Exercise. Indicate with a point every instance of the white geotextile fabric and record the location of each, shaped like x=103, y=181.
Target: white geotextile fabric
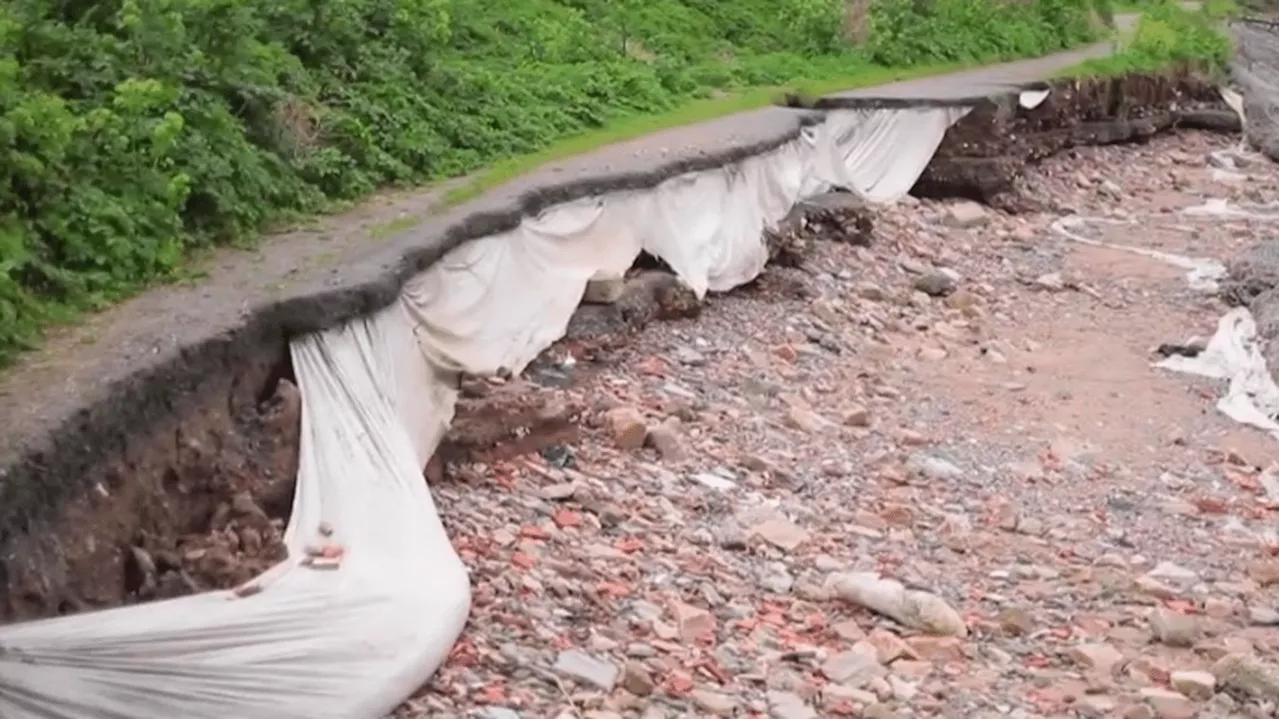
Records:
x=353, y=642
x=346, y=643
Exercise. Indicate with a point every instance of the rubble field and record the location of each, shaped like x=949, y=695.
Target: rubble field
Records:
x=922, y=467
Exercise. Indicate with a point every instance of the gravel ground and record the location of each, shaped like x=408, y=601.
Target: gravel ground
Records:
x=965, y=407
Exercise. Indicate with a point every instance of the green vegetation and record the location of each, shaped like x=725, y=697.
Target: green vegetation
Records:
x=133, y=132
x=1170, y=36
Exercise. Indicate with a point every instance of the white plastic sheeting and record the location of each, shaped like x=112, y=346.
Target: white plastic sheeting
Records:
x=355, y=640
x=1031, y=99
x=1202, y=275
x=1233, y=355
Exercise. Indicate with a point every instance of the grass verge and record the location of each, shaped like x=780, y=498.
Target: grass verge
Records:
x=630, y=128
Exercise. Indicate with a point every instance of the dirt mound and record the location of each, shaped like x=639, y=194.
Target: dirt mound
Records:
x=1251, y=281
x=1251, y=274
x=1254, y=71
x=985, y=152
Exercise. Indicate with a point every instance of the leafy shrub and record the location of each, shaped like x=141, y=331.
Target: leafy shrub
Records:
x=1168, y=35
x=913, y=31
x=132, y=131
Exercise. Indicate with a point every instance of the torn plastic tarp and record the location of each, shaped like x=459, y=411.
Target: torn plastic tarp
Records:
x=1233, y=354
x=352, y=636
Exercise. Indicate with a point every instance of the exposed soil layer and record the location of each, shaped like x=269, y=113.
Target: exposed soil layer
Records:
x=986, y=151
x=195, y=500
x=180, y=508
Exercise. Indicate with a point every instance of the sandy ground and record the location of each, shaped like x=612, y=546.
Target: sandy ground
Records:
x=969, y=411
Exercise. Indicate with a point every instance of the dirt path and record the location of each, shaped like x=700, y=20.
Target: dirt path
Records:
x=316, y=276
x=970, y=411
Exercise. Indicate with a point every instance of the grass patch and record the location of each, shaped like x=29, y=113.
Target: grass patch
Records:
x=630, y=128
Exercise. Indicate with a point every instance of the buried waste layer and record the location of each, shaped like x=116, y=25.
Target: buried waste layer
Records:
x=371, y=595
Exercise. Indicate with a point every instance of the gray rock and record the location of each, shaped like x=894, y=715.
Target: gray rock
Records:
x=777, y=582
x=1051, y=281
x=585, y=668
x=1263, y=617
x=714, y=703
x=935, y=468
x=690, y=357
x=935, y=284
x=854, y=669
x=1252, y=273
x=1173, y=574
x=965, y=215
x=1197, y=685
x=785, y=705
x=604, y=292
x=1173, y=628
x=1265, y=309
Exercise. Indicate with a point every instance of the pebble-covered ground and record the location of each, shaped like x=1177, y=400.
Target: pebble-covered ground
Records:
x=934, y=476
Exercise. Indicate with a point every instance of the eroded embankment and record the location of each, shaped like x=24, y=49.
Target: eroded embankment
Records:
x=981, y=158
x=986, y=152
x=178, y=505
x=198, y=501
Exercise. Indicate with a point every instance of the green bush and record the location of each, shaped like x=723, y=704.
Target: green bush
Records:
x=132, y=131
x=911, y=31
x=1169, y=36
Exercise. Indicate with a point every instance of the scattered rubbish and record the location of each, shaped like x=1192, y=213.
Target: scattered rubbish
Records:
x=1188, y=350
